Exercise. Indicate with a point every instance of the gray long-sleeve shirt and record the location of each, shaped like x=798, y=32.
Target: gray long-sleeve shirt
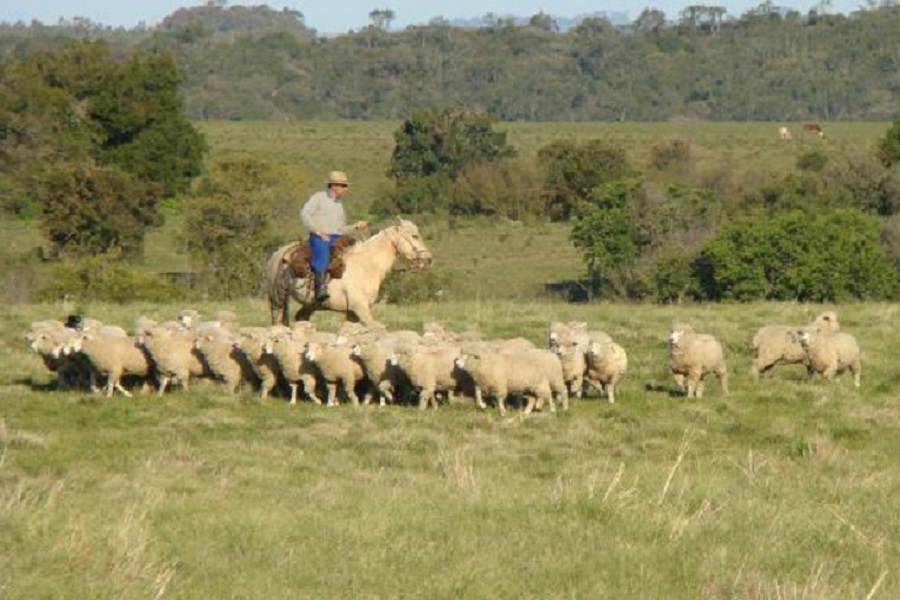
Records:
x=324, y=213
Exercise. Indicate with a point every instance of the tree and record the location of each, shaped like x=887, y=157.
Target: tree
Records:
x=443, y=142
x=228, y=225
x=90, y=210
x=571, y=172
x=607, y=236
x=888, y=151
x=381, y=18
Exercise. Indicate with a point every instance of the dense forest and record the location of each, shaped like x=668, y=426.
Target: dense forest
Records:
x=768, y=64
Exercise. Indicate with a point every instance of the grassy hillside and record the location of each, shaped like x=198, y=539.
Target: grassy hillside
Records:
x=782, y=489
x=471, y=257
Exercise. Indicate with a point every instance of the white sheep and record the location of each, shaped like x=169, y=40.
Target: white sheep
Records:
x=174, y=356
x=606, y=364
x=250, y=343
x=113, y=357
x=831, y=353
x=574, y=332
x=534, y=374
x=692, y=356
x=777, y=345
x=574, y=365
x=430, y=369
x=216, y=346
x=47, y=339
x=375, y=358
x=335, y=364
x=286, y=346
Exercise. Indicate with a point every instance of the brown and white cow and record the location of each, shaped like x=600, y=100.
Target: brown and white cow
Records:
x=813, y=127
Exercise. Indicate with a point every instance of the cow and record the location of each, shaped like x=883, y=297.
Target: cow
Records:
x=785, y=134
x=813, y=127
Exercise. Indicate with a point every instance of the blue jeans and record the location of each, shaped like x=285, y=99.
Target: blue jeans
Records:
x=321, y=251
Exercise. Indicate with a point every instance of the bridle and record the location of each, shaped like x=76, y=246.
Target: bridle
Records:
x=421, y=254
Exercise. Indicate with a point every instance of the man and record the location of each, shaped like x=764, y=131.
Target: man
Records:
x=323, y=215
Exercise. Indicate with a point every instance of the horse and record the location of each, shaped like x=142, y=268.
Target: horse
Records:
x=813, y=127
x=367, y=264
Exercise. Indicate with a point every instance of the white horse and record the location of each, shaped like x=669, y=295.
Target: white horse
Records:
x=367, y=265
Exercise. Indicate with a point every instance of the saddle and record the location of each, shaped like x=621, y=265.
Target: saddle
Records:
x=298, y=259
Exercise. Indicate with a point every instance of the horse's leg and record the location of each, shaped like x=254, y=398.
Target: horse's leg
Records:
x=305, y=313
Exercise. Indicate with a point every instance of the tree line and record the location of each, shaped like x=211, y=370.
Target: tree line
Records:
x=765, y=65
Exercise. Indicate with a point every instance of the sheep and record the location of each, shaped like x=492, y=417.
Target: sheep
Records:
x=574, y=366
x=830, y=353
x=574, y=332
x=692, y=356
x=334, y=362
x=536, y=374
x=776, y=344
x=430, y=369
x=250, y=342
x=174, y=355
x=216, y=345
x=286, y=346
x=46, y=339
x=387, y=379
x=606, y=364
x=113, y=357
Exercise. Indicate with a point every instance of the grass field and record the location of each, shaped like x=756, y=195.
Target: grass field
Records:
x=784, y=489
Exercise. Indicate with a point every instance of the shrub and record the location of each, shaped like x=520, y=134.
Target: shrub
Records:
x=415, y=285
x=509, y=190
x=671, y=154
x=571, y=172
x=107, y=278
x=793, y=256
x=812, y=161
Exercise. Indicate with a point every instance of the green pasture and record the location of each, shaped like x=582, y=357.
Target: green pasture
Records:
x=784, y=489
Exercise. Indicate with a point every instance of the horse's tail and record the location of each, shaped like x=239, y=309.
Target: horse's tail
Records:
x=278, y=285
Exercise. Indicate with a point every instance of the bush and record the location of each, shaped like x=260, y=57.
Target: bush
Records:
x=812, y=161
x=571, y=172
x=671, y=154
x=108, y=278
x=794, y=256
x=415, y=285
x=510, y=190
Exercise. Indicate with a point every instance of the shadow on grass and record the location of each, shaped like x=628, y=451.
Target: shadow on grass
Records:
x=663, y=389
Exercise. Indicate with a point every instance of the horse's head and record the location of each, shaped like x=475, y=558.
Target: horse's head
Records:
x=409, y=243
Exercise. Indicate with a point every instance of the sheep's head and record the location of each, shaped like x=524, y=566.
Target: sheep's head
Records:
x=802, y=337
x=674, y=336
x=312, y=351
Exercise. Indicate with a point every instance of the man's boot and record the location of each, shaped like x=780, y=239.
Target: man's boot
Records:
x=321, y=289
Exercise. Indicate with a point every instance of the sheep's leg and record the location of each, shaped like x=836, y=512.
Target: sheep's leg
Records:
x=309, y=387
x=723, y=381
x=351, y=393
x=293, y=399
x=163, y=383
x=611, y=392
x=122, y=389
x=857, y=372
x=530, y=403
x=501, y=402
x=426, y=396
x=479, y=399
x=385, y=393
x=332, y=395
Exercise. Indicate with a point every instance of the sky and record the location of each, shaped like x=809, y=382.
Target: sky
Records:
x=338, y=16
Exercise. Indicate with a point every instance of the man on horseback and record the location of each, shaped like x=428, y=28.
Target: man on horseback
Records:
x=323, y=215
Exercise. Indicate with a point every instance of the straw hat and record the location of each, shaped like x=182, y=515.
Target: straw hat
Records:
x=338, y=177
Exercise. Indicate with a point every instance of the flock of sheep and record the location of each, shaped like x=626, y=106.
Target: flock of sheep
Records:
x=372, y=364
